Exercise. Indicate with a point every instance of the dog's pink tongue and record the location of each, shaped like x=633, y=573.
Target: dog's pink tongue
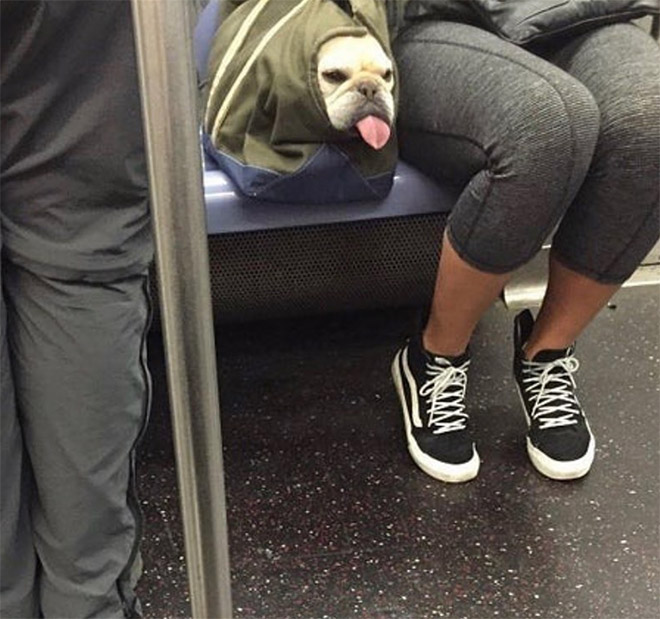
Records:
x=374, y=131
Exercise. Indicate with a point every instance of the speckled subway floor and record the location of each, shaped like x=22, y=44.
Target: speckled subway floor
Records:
x=329, y=517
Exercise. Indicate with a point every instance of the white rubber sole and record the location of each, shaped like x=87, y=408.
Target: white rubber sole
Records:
x=561, y=470
x=443, y=471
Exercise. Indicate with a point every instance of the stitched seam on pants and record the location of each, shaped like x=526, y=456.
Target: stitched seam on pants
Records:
x=132, y=497
x=582, y=270
x=463, y=253
x=478, y=215
x=477, y=264
x=540, y=75
x=633, y=238
x=485, y=170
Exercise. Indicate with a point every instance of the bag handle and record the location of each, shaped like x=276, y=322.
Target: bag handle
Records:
x=224, y=108
x=236, y=44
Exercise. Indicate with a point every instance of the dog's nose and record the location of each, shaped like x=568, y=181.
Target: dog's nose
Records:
x=368, y=89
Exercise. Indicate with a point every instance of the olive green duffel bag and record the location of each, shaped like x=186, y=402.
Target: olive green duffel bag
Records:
x=265, y=121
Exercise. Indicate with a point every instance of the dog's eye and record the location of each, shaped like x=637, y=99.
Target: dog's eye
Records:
x=335, y=76
x=387, y=76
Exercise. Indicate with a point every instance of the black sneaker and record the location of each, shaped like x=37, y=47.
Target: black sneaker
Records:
x=432, y=392
x=559, y=441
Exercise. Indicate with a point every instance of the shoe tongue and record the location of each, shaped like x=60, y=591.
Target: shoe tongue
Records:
x=455, y=360
x=374, y=131
x=547, y=356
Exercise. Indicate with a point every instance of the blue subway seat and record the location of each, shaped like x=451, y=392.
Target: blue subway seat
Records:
x=228, y=211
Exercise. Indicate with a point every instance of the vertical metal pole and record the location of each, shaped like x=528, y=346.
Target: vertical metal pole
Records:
x=164, y=52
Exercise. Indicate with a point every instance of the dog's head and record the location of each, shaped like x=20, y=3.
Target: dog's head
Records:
x=356, y=79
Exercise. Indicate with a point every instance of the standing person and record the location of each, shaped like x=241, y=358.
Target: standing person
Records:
x=561, y=135
x=76, y=249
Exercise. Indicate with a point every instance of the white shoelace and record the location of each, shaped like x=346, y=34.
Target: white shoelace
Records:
x=552, y=392
x=446, y=406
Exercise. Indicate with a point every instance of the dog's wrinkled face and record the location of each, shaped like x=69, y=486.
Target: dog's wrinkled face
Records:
x=356, y=79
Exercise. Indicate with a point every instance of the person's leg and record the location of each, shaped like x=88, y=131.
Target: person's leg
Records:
x=461, y=295
x=76, y=229
x=612, y=223
x=614, y=220
x=18, y=565
x=571, y=302
x=78, y=355
x=18, y=562
x=516, y=129
x=518, y=134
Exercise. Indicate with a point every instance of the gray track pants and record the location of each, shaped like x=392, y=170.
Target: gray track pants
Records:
x=568, y=135
x=75, y=253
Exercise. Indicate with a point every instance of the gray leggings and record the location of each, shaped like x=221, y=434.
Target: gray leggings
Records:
x=567, y=135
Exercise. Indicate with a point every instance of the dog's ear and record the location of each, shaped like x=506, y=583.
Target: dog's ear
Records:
x=344, y=5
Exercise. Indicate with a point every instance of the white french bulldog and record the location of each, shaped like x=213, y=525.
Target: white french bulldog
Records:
x=356, y=79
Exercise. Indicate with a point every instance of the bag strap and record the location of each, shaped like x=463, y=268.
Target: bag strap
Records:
x=235, y=45
x=224, y=108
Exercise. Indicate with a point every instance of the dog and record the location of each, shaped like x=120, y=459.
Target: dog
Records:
x=300, y=104
x=356, y=80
